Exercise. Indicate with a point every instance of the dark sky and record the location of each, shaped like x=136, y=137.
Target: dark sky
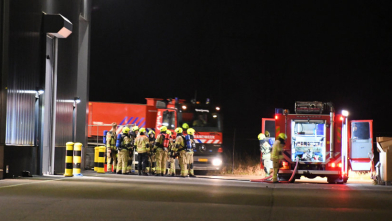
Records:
x=248, y=57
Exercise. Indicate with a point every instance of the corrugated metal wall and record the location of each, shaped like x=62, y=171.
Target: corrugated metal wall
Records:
x=23, y=74
x=20, y=128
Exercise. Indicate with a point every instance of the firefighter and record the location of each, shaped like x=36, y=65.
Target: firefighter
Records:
x=265, y=150
x=277, y=154
x=171, y=159
x=181, y=147
x=160, y=154
x=132, y=135
x=189, y=152
x=123, y=146
x=142, y=144
x=111, y=151
x=151, y=152
x=185, y=127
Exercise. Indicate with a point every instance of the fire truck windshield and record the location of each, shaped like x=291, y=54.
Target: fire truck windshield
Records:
x=200, y=119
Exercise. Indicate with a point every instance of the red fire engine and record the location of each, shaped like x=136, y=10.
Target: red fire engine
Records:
x=173, y=113
x=326, y=144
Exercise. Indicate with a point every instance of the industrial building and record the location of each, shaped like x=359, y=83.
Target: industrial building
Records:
x=44, y=83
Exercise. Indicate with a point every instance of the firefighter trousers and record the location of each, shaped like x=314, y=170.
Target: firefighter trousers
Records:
x=142, y=162
x=130, y=161
x=111, y=160
x=151, y=163
x=189, y=162
x=160, y=157
x=267, y=163
x=122, y=160
x=275, y=163
x=182, y=162
x=172, y=164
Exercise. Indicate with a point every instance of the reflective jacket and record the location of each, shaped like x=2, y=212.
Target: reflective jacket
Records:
x=277, y=151
x=265, y=149
x=159, y=141
x=180, y=142
x=142, y=143
x=111, y=139
x=123, y=142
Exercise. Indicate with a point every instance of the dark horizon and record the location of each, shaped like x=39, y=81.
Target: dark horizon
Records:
x=250, y=58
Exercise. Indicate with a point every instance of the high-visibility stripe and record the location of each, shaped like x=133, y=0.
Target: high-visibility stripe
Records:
x=123, y=121
x=137, y=118
x=216, y=141
x=210, y=141
x=129, y=120
x=140, y=121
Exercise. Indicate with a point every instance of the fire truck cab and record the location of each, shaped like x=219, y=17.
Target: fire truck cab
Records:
x=326, y=144
x=207, y=122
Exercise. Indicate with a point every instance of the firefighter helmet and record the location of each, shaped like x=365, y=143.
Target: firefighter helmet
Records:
x=185, y=126
x=169, y=132
x=151, y=132
x=267, y=133
x=125, y=130
x=261, y=136
x=163, y=129
x=282, y=136
x=135, y=128
x=178, y=130
x=190, y=131
x=142, y=130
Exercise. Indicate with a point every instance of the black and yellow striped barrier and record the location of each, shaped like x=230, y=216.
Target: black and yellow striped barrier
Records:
x=69, y=159
x=96, y=156
x=101, y=160
x=77, y=159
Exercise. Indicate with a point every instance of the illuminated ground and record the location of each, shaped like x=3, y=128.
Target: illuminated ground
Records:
x=118, y=197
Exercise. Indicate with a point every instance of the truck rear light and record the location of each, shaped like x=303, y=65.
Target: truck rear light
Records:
x=340, y=165
x=341, y=118
x=333, y=165
x=276, y=117
x=285, y=165
x=220, y=150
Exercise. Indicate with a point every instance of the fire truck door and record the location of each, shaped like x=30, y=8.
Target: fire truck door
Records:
x=361, y=145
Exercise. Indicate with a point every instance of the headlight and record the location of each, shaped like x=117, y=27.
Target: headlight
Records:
x=217, y=162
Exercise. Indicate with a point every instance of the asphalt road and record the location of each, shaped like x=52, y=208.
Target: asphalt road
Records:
x=120, y=197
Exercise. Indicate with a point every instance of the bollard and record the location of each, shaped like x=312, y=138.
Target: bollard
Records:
x=101, y=159
x=68, y=159
x=96, y=156
x=77, y=159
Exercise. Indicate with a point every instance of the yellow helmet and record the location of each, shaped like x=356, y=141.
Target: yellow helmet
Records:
x=163, y=129
x=125, y=130
x=190, y=131
x=135, y=128
x=142, y=130
x=267, y=133
x=178, y=130
x=185, y=126
x=151, y=132
x=282, y=136
x=261, y=136
x=169, y=132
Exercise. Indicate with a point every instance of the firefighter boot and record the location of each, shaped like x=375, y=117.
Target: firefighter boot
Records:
x=191, y=174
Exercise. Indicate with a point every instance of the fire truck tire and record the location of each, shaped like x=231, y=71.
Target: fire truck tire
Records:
x=336, y=180
x=285, y=178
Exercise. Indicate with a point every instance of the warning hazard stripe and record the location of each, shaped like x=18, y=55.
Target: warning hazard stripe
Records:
x=286, y=156
x=208, y=141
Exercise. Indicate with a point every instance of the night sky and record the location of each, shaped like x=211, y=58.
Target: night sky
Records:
x=248, y=57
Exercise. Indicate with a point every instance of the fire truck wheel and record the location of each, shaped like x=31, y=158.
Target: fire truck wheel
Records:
x=285, y=178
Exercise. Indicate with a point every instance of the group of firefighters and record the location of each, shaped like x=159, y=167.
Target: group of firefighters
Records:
x=272, y=156
x=153, y=152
